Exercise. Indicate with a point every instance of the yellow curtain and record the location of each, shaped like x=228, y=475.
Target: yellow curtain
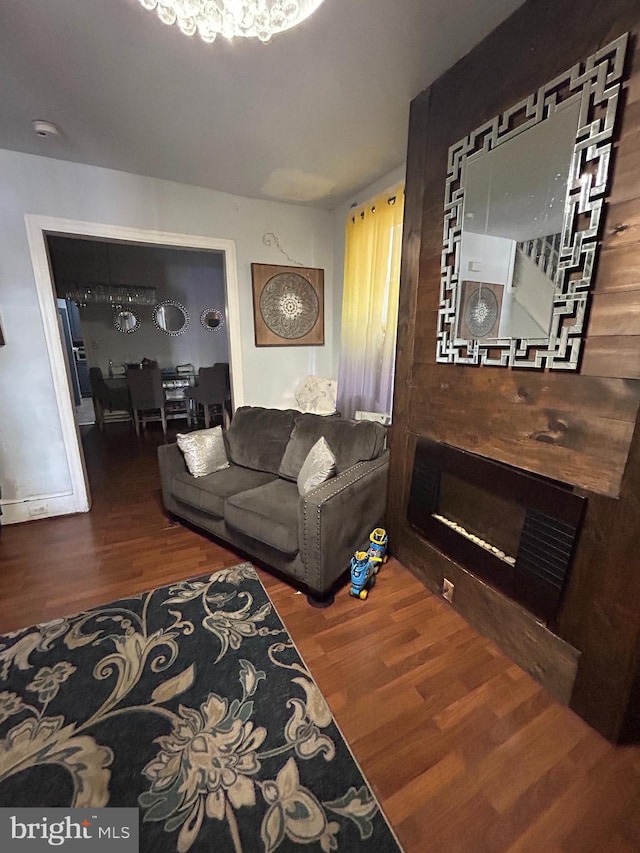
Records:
x=373, y=243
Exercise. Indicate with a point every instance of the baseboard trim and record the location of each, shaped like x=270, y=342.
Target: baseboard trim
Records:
x=41, y=506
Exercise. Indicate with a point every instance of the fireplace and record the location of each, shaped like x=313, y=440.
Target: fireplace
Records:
x=516, y=531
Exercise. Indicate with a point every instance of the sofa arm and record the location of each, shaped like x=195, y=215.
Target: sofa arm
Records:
x=336, y=519
x=171, y=462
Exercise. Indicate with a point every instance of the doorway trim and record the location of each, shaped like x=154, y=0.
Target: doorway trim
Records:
x=38, y=229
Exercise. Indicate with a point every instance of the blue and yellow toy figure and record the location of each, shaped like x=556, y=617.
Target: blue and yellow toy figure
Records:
x=365, y=564
x=378, y=548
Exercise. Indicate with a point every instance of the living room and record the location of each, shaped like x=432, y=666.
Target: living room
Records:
x=448, y=756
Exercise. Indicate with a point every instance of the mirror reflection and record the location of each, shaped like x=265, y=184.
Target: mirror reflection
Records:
x=171, y=317
x=125, y=321
x=514, y=204
x=212, y=319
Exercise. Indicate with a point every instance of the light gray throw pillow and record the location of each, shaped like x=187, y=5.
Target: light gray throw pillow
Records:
x=318, y=467
x=204, y=451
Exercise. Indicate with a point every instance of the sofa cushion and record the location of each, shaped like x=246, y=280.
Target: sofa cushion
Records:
x=350, y=442
x=209, y=493
x=257, y=437
x=268, y=513
x=317, y=468
x=204, y=451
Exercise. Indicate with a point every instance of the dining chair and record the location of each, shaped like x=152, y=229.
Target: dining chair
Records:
x=147, y=397
x=213, y=391
x=111, y=397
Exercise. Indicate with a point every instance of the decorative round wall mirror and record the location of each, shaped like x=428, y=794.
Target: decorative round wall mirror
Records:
x=171, y=317
x=125, y=321
x=212, y=319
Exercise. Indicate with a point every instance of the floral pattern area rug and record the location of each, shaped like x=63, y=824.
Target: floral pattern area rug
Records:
x=191, y=703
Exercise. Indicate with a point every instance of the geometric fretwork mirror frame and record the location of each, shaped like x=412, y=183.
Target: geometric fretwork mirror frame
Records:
x=595, y=86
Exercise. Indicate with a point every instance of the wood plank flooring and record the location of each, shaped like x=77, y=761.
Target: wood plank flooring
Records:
x=466, y=753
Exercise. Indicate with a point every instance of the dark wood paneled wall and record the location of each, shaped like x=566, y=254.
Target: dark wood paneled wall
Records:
x=579, y=427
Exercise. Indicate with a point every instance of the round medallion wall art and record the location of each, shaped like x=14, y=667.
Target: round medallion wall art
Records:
x=481, y=312
x=288, y=305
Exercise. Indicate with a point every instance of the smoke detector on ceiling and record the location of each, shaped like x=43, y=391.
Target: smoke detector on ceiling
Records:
x=45, y=129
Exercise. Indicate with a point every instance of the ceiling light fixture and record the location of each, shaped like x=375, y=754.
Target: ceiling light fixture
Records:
x=118, y=295
x=100, y=293
x=229, y=18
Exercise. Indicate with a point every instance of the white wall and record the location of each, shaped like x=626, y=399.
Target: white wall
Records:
x=32, y=456
x=486, y=258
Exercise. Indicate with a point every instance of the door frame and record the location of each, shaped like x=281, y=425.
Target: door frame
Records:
x=38, y=229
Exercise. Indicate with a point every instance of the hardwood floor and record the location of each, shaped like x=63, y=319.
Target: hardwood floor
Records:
x=464, y=750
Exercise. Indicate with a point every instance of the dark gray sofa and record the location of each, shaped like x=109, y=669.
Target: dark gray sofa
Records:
x=254, y=503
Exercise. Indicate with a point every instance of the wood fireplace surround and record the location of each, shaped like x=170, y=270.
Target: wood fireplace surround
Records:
x=580, y=429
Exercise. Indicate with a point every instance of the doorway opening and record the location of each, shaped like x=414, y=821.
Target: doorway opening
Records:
x=40, y=230
x=107, y=293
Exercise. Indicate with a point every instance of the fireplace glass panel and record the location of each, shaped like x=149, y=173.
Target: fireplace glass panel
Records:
x=496, y=520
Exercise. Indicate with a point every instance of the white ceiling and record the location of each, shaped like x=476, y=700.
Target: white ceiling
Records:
x=313, y=116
